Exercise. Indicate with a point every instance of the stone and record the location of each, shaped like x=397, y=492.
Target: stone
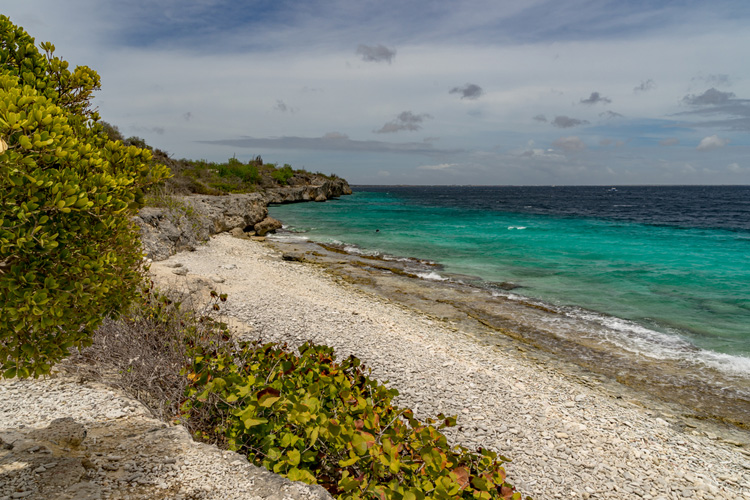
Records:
x=180, y=271
x=64, y=432
x=267, y=225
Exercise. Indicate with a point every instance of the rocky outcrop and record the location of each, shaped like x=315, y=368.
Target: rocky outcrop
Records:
x=267, y=225
x=184, y=222
x=187, y=221
x=332, y=188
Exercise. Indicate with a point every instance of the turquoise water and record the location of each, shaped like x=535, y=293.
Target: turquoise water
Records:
x=679, y=281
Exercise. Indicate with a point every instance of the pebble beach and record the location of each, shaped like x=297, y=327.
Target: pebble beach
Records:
x=569, y=434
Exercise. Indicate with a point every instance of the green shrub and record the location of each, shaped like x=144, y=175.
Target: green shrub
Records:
x=69, y=254
x=247, y=173
x=316, y=420
x=283, y=174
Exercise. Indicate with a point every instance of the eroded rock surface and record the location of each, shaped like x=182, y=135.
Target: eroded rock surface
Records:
x=188, y=221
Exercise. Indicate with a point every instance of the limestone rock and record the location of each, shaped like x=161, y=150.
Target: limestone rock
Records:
x=188, y=221
x=191, y=220
x=267, y=225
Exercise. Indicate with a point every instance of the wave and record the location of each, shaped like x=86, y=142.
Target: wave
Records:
x=432, y=276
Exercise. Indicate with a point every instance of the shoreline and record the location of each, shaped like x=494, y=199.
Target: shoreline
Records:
x=569, y=433
x=494, y=314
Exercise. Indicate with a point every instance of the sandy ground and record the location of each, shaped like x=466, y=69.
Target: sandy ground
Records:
x=569, y=435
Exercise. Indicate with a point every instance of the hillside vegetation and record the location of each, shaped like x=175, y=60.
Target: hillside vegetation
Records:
x=232, y=176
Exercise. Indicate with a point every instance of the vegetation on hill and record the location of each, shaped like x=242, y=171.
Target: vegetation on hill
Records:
x=232, y=176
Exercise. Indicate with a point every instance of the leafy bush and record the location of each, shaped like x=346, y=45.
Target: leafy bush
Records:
x=283, y=174
x=316, y=420
x=245, y=172
x=69, y=254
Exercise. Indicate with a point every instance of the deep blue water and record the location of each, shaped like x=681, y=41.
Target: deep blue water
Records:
x=669, y=263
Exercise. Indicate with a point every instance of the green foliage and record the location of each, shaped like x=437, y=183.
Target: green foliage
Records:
x=68, y=252
x=247, y=173
x=283, y=174
x=316, y=420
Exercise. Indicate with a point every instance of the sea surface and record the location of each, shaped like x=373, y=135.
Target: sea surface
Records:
x=660, y=271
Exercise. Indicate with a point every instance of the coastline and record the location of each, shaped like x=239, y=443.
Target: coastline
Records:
x=569, y=432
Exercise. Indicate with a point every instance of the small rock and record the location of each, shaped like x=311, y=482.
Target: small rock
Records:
x=180, y=271
x=217, y=279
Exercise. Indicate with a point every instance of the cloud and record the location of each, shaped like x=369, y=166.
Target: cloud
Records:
x=540, y=118
x=569, y=144
x=376, y=53
x=610, y=114
x=710, y=97
x=442, y=166
x=719, y=80
x=284, y=107
x=671, y=141
x=712, y=142
x=332, y=141
x=149, y=130
x=567, y=122
x=736, y=112
x=596, y=98
x=469, y=91
x=645, y=86
x=404, y=121
x=281, y=106
x=735, y=168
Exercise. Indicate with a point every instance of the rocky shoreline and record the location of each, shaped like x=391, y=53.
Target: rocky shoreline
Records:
x=184, y=222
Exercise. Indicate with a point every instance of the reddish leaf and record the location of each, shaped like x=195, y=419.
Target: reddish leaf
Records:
x=462, y=476
x=268, y=390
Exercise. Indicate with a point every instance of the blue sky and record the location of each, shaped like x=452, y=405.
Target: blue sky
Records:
x=425, y=92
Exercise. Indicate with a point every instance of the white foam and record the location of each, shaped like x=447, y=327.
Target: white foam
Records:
x=432, y=275
x=517, y=227
x=288, y=238
x=358, y=251
x=670, y=346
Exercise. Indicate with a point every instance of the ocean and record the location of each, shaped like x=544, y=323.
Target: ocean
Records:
x=662, y=272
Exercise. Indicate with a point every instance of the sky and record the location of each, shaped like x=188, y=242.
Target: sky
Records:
x=485, y=92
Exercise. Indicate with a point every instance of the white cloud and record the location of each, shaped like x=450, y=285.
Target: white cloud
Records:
x=442, y=166
x=737, y=169
x=712, y=142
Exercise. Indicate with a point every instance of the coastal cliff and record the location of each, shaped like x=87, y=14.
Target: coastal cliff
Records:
x=183, y=222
